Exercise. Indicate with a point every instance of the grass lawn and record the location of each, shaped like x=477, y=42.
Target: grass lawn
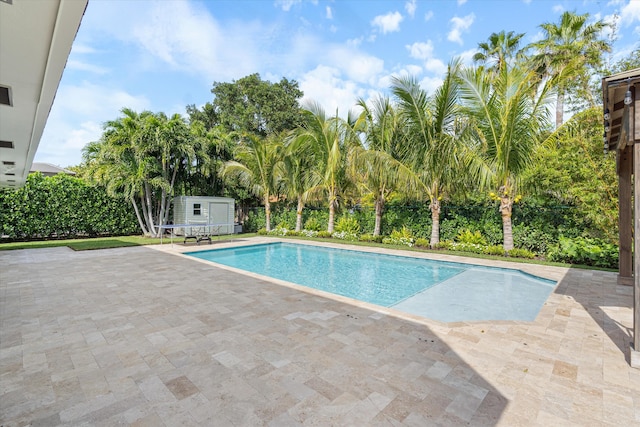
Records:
x=99, y=242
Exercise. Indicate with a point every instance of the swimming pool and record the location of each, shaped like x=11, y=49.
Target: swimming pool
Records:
x=444, y=291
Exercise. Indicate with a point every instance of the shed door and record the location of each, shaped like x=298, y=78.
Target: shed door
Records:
x=219, y=214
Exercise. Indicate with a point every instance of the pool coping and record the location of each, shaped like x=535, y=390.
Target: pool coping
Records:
x=554, y=274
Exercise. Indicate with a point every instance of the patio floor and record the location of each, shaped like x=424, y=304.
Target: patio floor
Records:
x=144, y=336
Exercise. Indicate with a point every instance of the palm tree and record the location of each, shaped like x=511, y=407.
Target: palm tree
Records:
x=254, y=167
x=114, y=162
x=329, y=140
x=433, y=148
x=139, y=157
x=567, y=51
x=498, y=49
x=378, y=167
x=507, y=114
x=295, y=172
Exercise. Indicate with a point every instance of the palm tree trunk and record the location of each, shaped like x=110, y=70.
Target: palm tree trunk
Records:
x=379, y=210
x=137, y=211
x=506, y=205
x=560, y=108
x=299, y=214
x=150, y=221
x=332, y=216
x=434, y=206
x=267, y=212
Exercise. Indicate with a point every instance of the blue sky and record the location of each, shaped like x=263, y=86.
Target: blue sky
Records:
x=163, y=55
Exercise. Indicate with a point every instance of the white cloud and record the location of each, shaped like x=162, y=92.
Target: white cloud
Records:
x=436, y=66
x=630, y=13
x=184, y=36
x=329, y=13
x=409, y=70
x=286, y=4
x=428, y=15
x=424, y=51
x=325, y=86
x=358, y=66
x=460, y=25
x=420, y=50
x=558, y=8
x=388, y=23
x=76, y=119
x=79, y=48
x=526, y=1
x=467, y=56
x=74, y=64
x=410, y=6
x=461, y=2
x=430, y=84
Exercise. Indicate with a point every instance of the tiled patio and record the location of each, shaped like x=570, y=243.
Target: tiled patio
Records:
x=143, y=336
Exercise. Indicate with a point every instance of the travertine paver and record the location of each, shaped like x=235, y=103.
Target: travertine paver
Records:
x=146, y=337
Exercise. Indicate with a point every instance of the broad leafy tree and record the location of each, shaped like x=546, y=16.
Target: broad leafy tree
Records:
x=252, y=105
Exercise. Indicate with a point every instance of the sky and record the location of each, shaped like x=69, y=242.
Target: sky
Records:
x=164, y=55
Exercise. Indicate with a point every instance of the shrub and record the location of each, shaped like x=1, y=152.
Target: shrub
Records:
x=466, y=236
x=370, y=238
x=63, y=206
x=579, y=250
x=468, y=247
x=348, y=224
x=324, y=234
x=278, y=231
x=403, y=237
x=255, y=221
x=309, y=233
x=262, y=231
x=521, y=253
x=494, y=250
x=345, y=235
x=422, y=242
x=313, y=224
x=294, y=233
x=444, y=244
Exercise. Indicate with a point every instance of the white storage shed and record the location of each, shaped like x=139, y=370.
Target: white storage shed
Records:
x=211, y=215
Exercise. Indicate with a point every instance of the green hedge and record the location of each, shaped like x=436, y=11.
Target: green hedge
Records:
x=62, y=206
x=559, y=232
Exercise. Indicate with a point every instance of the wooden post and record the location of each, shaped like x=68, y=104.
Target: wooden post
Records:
x=625, y=218
x=634, y=134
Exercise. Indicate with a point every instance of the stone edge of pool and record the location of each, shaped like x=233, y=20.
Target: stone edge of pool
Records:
x=554, y=274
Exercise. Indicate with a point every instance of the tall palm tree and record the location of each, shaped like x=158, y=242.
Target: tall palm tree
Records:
x=254, y=167
x=567, y=51
x=507, y=113
x=114, y=161
x=329, y=140
x=378, y=167
x=139, y=156
x=295, y=172
x=499, y=48
x=433, y=147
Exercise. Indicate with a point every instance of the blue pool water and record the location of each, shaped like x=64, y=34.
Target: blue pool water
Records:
x=444, y=291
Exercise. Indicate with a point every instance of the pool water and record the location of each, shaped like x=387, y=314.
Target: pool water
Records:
x=444, y=291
